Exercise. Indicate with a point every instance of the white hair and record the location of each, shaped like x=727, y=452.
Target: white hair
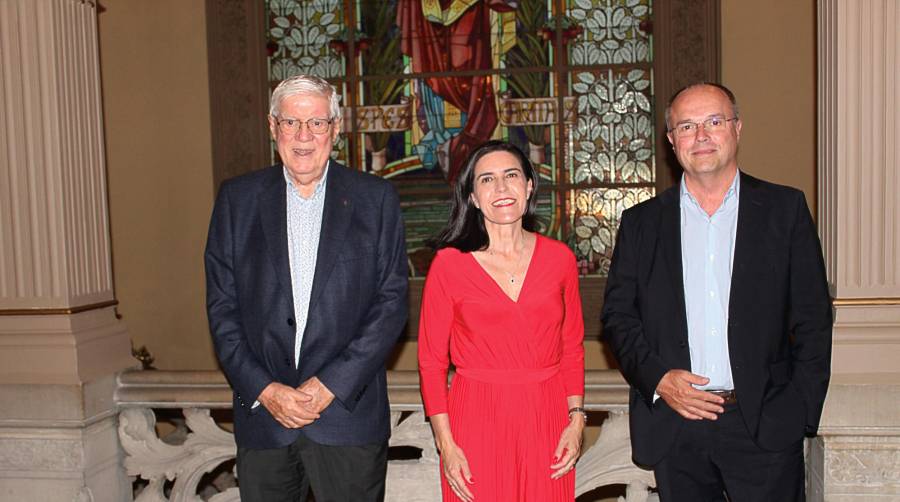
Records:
x=305, y=84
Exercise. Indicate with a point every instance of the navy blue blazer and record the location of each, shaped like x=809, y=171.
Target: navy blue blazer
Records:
x=779, y=316
x=357, y=310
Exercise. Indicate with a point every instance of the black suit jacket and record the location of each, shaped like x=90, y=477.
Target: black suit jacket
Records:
x=779, y=316
x=358, y=304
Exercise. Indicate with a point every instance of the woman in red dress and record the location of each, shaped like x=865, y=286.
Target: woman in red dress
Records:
x=501, y=303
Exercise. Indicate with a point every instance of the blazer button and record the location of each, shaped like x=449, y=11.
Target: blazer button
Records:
x=290, y=321
x=682, y=344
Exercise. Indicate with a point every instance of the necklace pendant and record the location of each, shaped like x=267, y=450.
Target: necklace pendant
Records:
x=512, y=280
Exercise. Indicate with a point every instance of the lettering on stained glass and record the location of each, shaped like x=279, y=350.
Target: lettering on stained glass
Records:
x=383, y=118
x=536, y=111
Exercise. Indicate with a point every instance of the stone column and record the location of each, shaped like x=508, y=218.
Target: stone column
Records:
x=857, y=455
x=859, y=178
x=60, y=341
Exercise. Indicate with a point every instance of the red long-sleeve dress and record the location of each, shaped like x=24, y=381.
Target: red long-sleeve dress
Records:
x=516, y=362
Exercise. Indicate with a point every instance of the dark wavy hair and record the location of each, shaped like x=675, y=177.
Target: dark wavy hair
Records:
x=465, y=229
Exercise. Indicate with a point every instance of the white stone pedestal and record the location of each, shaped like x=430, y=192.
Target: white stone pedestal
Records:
x=58, y=442
x=856, y=457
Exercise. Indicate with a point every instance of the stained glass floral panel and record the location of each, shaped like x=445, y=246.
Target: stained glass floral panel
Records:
x=609, y=32
x=300, y=35
x=613, y=136
x=596, y=214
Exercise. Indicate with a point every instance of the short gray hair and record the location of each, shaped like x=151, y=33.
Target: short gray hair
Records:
x=305, y=84
x=725, y=90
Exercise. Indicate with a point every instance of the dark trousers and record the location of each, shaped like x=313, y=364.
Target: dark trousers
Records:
x=335, y=473
x=713, y=458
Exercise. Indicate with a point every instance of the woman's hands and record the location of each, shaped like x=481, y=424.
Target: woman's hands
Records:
x=456, y=467
x=569, y=448
x=456, y=470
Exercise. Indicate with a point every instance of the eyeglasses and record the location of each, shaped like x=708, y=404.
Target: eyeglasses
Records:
x=688, y=128
x=315, y=125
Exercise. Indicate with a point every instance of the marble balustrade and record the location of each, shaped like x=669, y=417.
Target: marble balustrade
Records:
x=206, y=445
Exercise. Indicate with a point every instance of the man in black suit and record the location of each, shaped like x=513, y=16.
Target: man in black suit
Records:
x=306, y=274
x=718, y=312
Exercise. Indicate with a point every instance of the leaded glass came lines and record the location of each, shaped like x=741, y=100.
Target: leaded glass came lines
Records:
x=612, y=33
x=422, y=81
x=301, y=31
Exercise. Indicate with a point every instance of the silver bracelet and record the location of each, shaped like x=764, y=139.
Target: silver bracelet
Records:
x=578, y=409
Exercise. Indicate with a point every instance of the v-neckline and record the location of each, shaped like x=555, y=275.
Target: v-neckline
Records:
x=537, y=239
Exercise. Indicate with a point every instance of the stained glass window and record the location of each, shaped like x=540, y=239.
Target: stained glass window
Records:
x=424, y=81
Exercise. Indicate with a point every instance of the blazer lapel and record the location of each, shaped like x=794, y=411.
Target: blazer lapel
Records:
x=749, y=244
x=335, y=221
x=273, y=214
x=670, y=241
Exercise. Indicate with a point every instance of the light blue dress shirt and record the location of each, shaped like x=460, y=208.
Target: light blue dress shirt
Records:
x=707, y=253
x=304, y=226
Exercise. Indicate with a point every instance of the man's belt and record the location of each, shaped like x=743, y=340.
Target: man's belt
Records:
x=729, y=396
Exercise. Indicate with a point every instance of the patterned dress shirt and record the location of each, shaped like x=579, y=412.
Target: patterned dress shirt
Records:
x=304, y=226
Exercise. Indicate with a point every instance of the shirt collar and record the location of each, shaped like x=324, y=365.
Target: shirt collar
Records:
x=733, y=192
x=320, y=186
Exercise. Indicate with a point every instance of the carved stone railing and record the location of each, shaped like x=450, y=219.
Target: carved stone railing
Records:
x=206, y=445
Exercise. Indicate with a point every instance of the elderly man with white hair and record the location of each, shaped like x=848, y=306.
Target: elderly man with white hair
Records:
x=306, y=275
